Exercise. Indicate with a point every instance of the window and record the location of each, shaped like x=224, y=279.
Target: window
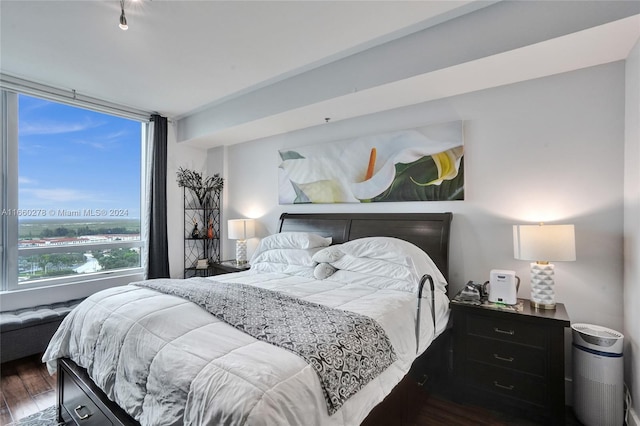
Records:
x=73, y=193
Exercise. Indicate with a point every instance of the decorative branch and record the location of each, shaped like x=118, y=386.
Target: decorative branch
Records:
x=200, y=187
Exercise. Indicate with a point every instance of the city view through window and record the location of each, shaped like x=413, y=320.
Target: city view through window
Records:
x=79, y=195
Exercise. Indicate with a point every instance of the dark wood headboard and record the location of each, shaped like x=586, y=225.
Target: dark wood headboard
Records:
x=429, y=231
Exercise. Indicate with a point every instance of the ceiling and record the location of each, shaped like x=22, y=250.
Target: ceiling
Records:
x=599, y=45
x=183, y=58
x=179, y=56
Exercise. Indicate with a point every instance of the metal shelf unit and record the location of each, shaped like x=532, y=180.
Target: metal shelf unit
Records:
x=201, y=247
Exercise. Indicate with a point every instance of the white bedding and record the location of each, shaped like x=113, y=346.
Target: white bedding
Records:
x=167, y=361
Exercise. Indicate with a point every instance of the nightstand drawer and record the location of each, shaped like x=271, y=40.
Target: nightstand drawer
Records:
x=511, y=360
x=505, y=330
x=79, y=406
x=507, y=355
x=508, y=382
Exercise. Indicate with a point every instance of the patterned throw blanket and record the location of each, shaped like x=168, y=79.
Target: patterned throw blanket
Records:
x=347, y=350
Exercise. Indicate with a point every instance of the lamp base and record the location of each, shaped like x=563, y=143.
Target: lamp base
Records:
x=542, y=286
x=241, y=252
x=536, y=305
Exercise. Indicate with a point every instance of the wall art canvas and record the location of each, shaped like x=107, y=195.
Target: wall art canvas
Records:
x=420, y=164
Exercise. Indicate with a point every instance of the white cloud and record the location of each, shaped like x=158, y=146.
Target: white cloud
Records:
x=94, y=144
x=54, y=127
x=57, y=194
x=26, y=181
x=104, y=142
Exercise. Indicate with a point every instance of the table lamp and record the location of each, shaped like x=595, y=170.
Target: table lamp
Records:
x=543, y=244
x=240, y=230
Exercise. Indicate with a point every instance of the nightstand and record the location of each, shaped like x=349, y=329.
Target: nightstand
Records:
x=511, y=360
x=228, y=266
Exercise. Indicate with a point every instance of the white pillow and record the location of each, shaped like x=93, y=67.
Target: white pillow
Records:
x=377, y=267
x=290, y=240
x=302, y=240
x=288, y=256
x=323, y=270
x=328, y=254
x=290, y=261
x=363, y=279
x=397, y=251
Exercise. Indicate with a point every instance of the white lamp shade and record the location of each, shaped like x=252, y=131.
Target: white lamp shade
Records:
x=241, y=229
x=544, y=243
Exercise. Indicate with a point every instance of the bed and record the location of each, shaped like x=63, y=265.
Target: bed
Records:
x=148, y=353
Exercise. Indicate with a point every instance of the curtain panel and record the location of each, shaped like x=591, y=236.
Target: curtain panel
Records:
x=157, y=259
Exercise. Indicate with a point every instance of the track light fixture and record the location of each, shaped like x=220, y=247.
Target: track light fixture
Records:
x=123, y=19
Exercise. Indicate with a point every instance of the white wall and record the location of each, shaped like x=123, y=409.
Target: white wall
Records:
x=549, y=149
x=632, y=229
x=188, y=158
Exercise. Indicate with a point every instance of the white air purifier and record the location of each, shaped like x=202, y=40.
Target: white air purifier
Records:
x=598, y=386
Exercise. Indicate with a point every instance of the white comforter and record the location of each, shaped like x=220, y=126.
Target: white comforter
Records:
x=166, y=361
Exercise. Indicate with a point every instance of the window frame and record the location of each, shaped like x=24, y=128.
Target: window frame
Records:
x=9, y=224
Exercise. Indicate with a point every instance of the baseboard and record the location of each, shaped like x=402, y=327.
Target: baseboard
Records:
x=633, y=419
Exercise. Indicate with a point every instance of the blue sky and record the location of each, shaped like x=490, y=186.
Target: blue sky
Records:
x=72, y=158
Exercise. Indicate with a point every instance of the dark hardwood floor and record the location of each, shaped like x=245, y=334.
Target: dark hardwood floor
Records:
x=28, y=388
x=411, y=405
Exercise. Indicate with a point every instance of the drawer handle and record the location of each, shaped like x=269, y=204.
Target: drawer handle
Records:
x=498, y=385
x=80, y=416
x=500, y=358
x=498, y=330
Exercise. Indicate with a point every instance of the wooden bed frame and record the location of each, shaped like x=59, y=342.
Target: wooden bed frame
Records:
x=80, y=400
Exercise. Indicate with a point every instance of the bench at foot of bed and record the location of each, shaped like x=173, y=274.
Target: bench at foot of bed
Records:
x=27, y=331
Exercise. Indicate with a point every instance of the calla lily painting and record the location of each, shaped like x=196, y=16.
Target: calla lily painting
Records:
x=421, y=164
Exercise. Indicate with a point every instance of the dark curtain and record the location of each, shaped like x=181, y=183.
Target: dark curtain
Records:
x=158, y=260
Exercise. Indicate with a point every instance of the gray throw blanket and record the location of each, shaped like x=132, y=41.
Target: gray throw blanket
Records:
x=347, y=350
